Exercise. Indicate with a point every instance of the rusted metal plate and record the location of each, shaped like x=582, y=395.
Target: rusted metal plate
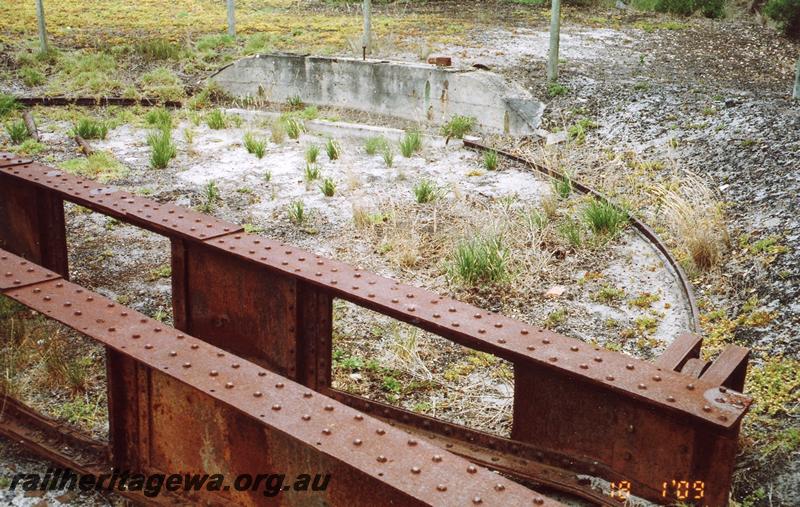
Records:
x=9, y=159
x=261, y=326
x=682, y=348
x=17, y=272
x=167, y=219
x=369, y=448
x=729, y=369
x=32, y=223
x=646, y=447
x=486, y=331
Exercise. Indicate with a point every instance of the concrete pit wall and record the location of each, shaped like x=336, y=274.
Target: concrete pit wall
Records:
x=411, y=91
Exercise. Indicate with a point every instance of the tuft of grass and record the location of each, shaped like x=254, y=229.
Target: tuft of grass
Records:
x=490, y=160
x=297, y=213
x=255, y=146
x=602, y=217
x=375, y=144
x=216, y=120
x=17, y=131
x=295, y=103
x=100, y=165
x=556, y=90
x=388, y=156
x=257, y=43
x=577, y=131
x=210, y=197
x=312, y=152
x=8, y=104
x=29, y=147
x=311, y=172
x=608, y=294
x=480, y=261
x=85, y=73
x=278, y=132
x=31, y=76
x=214, y=42
x=458, y=126
x=267, y=176
x=411, y=143
x=294, y=128
x=425, y=191
x=89, y=128
x=158, y=49
x=158, y=117
x=162, y=148
x=328, y=187
x=562, y=187
x=571, y=231
x=694, y=214
x=161, y=83
x=333, y=149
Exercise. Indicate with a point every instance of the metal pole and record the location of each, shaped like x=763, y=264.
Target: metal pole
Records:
x=555, y=27
x=231, y=20
x=796, y=94
x=42, y=28
x=367, y=40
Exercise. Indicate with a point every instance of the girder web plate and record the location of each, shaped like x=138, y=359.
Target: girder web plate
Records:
x=9, y=159
x=163, y=218
x=422, y=470
x=495, y=333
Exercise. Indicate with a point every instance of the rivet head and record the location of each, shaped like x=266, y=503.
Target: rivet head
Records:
x=276, y=407
x=553, y=359
x=329, y=408
x=723, y=389
x=574, y=348
x=358, y=417
x=258, y=394
x=546, y=341
x=358, y=442
x=642, y=386
x=598, y=359
x=213, y=373
x=499, y=487
x=381, y=459
x=148, y=346
x=629, y=366
x=690, y=387
x=609, y=377
x=706, y=408
x=477, y=500
x=279, y=385
x=228, y=385
x=235, y=365
x=657, y=378
x=307, y=394
x=441, y=487
x=523, y=331
x=415, y=470
x=195, y=346
x=670, y=399
x=326, y=431
x=412, y=442
x=380, y=431
x=305, y=417
x=472, y=469
x=584, y=366
x=538, y=500
x=436, y=458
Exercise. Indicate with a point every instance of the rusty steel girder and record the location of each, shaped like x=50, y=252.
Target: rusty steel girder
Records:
x=578, y=409
x=191, y=407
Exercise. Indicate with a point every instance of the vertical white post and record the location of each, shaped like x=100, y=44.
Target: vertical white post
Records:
x=231, y=20
x=796, y=93
x=555, y=28
x=42, y=28
x=366, y=43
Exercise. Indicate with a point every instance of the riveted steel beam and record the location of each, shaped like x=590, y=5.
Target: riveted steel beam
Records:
x=271, y=303
x=200, y=409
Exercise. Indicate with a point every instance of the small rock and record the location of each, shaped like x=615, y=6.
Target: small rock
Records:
x=620, y=5
x=558, y=137
x=555, y=291
x=355, y=376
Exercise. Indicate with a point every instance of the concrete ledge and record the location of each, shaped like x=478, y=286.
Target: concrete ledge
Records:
x=412, y=91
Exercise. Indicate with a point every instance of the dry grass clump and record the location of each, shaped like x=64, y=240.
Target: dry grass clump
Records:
x=695, y=217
